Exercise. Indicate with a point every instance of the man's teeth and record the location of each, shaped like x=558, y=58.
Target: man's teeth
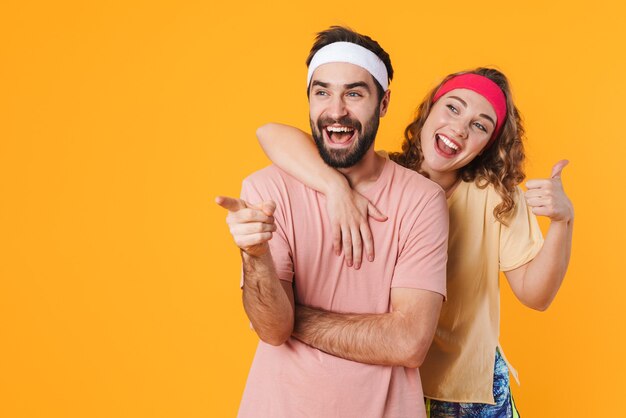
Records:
x=448, y=142
x=339, y=129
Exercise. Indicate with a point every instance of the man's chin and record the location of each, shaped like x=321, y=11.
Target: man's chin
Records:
x=336, y=159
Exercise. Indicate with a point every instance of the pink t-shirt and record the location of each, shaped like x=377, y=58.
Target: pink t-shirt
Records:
x=296, y=380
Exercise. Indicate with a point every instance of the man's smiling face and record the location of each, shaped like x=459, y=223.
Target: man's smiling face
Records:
x=344, y=111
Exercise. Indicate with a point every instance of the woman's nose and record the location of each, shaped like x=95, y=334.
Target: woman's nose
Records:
x=460, y=129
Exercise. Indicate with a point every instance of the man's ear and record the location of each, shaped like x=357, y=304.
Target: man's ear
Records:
x=384, y=103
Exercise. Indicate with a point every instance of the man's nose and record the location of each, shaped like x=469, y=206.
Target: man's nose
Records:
x=337, y=108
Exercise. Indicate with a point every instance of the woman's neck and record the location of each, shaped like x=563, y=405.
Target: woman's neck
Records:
x=447, y=180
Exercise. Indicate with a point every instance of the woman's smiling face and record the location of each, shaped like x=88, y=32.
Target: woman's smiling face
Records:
x=457, y=129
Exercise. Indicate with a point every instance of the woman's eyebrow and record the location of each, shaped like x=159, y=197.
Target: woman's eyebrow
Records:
x=460, y=100
x=489, y=118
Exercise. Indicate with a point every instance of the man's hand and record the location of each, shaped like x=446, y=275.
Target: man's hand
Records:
x=251, y=226
x=546, y=197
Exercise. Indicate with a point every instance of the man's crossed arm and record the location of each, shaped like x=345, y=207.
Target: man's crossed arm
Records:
x=398, y=338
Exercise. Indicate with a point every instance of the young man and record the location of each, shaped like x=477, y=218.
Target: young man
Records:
x=352, y=344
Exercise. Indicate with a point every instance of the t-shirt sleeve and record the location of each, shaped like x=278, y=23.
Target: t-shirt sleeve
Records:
x=521, y=240
x=253, y=192
x=422, y=260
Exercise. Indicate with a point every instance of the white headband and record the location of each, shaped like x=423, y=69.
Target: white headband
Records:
x=352, y=54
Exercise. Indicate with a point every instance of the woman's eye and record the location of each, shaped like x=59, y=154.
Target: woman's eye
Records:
x=480, y=126
x=452, y=108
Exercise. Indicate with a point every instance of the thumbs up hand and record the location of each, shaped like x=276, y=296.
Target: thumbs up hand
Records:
x=251, y=226
x=546, y=197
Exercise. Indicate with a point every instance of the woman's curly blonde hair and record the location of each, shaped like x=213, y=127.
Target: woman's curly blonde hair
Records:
x=500, y=165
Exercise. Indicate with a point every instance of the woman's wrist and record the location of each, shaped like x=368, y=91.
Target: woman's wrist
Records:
x=567, y=217
x=336, y=186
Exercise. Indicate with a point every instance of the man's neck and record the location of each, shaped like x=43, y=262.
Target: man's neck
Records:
x=364, y=173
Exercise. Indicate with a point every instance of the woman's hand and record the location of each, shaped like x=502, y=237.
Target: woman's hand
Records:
x=546, y=197
x=348, y=212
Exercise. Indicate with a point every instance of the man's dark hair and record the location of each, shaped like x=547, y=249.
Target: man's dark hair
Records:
x=343, y=34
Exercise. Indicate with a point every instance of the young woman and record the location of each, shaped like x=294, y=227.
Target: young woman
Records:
x=467, y=137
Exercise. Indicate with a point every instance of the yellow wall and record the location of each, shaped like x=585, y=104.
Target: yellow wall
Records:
x=121, y=120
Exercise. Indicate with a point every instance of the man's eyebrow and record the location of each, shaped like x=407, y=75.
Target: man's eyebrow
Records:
x=489, y=118
x=357, y=84
x=319, y=83
x=349, y=86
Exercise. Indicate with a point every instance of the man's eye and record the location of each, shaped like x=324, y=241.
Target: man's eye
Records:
x=354, y=94
x=320, y=93
x=452, y=108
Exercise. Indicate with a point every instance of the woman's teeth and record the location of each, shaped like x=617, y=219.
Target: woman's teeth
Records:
x=448, y=143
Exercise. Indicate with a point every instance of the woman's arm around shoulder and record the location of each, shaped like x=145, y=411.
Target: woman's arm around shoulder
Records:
x=295, y=152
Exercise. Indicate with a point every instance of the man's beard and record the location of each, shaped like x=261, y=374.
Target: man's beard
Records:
x=344, y=158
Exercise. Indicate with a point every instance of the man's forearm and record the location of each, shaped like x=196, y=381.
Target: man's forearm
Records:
x=267, y=302
x=386, y=339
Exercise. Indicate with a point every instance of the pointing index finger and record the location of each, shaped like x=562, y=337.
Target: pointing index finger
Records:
x=229, y=203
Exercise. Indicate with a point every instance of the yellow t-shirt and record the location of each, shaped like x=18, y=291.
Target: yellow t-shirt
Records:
x=459, y=366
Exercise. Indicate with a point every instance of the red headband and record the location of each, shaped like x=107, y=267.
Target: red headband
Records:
x=483, y=86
